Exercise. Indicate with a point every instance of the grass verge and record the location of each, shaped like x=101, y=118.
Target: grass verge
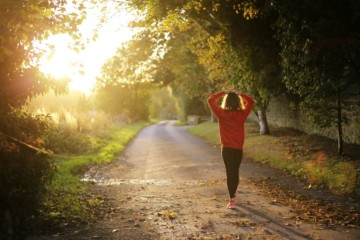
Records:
x=67, y=198
x=299, y=154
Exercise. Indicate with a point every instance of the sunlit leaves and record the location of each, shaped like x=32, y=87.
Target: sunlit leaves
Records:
x=214, y=56
x=182, y=66
x=226, y=39
x=247, y=9
x=176, y=21
x=123, y=87
x=131, y=63
x=21, y=23
x=25, y=167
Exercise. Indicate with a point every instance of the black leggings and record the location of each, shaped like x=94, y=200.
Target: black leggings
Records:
x=232, y=160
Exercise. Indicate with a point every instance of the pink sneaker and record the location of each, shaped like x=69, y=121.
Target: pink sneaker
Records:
x=232, y=203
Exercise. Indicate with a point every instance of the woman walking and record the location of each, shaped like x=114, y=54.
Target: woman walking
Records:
x=231, y=116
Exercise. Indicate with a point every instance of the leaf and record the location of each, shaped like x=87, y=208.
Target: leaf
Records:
x=169, y=215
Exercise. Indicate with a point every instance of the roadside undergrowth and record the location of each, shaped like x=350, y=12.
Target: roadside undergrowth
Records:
x=67, y=200
x=308, y=157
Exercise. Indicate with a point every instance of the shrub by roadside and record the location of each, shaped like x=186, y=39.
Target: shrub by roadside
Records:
x=67, y=199
x=24, y=169
x=310, y=157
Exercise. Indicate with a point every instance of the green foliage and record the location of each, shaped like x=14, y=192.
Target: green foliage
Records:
x=341, y=177
x=72, y=119
x=179, y=69
x=21, y=191
x=218, y=45
x=188, y=75
x=207, y=130
x=130, y=64
x=320, y=56
x=22, y=22
x=116, y=142
x=163, y=104
x=124, y=87
x=190, y=105
x=25, y=168
x=129, y=102
x=67, y=140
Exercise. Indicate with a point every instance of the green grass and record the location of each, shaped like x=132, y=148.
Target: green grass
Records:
x=207, y=130
x=339, y=175
x=67, y=198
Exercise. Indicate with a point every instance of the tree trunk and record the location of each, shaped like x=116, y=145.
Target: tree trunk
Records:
x=263, y=124
x=339, y=126
x=213, y=118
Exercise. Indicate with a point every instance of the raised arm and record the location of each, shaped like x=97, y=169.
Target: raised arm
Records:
x=249, y=104
x=216, y=109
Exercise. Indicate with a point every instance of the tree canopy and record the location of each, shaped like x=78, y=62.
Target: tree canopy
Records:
x=320, y=56
x=24, y=166
x=232, y=41
x=22, y=22
x=302, y=48
x=124, y=86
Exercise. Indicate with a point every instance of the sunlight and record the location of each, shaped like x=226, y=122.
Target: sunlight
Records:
x=61, y=63
x=83, y=67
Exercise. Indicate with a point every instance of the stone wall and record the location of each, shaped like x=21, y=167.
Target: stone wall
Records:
x=280, y=114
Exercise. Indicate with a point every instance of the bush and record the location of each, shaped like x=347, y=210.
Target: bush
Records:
x=23, y=175
x=342, y=177
x=24, y=169
x=66, y=140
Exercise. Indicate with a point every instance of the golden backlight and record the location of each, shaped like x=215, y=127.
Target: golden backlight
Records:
x=84, y=66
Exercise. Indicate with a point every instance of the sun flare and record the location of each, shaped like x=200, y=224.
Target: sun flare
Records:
x=61, y=62
x=83, y=67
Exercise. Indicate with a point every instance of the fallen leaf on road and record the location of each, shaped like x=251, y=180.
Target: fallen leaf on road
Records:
x=306, y=209
x=169, y=215
x=206, y=225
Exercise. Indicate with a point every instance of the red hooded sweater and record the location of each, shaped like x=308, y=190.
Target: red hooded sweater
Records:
x=231, y=123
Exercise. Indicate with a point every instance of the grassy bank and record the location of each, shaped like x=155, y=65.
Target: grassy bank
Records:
x=67, y=197
x=309, y=157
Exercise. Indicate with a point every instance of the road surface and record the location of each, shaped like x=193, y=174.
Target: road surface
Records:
x=169, y=184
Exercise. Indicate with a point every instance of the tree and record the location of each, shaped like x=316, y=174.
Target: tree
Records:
x=22, y=22
x=232, y=40
x=24, y=166
x=124, y=86
x=243, y=68
x=320, y=56
x=244, y=52
x=189, y=81
x=128, y=102
x=163, y=104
